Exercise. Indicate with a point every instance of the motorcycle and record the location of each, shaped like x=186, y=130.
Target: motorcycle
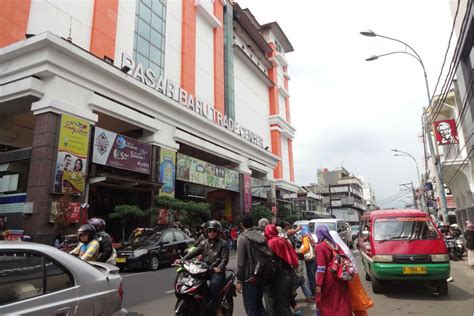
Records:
x=455, y=247
x=192, y=289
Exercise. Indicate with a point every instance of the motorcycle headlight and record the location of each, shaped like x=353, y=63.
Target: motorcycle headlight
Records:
x=383, y=258
x=139, y=252
x=439, y=258
x=459, y=242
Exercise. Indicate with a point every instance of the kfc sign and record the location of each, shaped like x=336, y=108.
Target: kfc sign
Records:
x=446, y=132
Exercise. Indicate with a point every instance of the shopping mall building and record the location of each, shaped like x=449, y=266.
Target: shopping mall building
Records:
x=115, y=101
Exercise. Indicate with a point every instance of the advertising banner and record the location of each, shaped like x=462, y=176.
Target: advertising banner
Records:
x=73, y=148
x=167, y=172
x=73, y=214
x=201, y=172
x=163, y=216
x=446, y=132
x=247, y=192
x=122, y=152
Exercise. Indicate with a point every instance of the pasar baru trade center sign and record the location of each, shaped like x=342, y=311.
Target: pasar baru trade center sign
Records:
x=173, y=91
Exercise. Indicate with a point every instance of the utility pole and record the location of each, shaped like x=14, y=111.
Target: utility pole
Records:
x=330, y=200
x=410, y=187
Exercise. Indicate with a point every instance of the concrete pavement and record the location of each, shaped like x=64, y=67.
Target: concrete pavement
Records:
x=151, y=293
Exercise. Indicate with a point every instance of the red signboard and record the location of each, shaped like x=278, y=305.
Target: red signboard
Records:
x=446, y=132
x=247, y=192
x=163, y=216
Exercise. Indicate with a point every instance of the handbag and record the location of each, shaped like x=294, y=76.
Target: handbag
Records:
x=311, y=254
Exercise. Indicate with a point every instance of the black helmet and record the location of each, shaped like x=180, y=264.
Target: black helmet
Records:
x=87, y=229
x=213, y=224
x=98, y=223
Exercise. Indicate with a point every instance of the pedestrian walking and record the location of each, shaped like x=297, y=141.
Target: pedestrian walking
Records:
x=233, y=236
x=360, y=301
x=300, y=282
x=248, y=282
x=283, y=282
x=332, y=293
x=309, y=253
x=469, y=235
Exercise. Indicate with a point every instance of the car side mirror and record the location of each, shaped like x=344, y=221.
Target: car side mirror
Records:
x=365, y=234
x=165, y=242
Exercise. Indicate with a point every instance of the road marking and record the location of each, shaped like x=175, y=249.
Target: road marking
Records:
x=134, y=274
x=169, y=292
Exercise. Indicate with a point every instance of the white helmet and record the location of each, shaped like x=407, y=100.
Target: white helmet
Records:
x=454, y=226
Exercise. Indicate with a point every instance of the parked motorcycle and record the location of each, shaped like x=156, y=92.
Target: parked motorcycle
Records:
x=192, y=289
x=455, y=247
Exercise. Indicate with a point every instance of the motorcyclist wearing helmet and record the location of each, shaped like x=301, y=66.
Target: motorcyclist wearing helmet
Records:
x=88, y=247
x=106, y=250
x=214, y=251
x=455, y=230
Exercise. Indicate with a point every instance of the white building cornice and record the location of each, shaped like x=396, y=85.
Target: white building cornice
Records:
x=46, y=55
x=282, y=125
x=286, y=185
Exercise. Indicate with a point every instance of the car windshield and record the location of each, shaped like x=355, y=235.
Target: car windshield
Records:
x=313, y=225
x=404, y=228
x=355, y=228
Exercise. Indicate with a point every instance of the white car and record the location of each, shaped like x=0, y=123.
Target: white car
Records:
x=338, y=225
x=37, y=279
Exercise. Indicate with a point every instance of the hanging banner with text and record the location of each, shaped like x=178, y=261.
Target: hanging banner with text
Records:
x=122, y=152
x=247, y=192
x=193, y=170
x=446, y=132
x=167, y=172
x=73, y=148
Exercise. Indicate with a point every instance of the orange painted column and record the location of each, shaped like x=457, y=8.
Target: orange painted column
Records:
x=14, y=16
x=273, y=91
x=188, y=47
x=104, y=28
x=276, y=149
x=219, y=101
x=290, y=158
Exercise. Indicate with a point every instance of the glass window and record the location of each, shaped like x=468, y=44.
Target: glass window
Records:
x=148, y=2
x=157, y=69
x=143, y=46
x=157, y=23
x=144, y=29
x=179, y=236
x=156, y=38
x=57, y=278
x=145, y=12
x=158, y=7
x=404, y=228
x=168, y=237
x=155, y=54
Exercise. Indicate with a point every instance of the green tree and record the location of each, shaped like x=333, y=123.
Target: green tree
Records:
x=260, y=211
x=187, y=212
x=126, y=213
x=284, y=214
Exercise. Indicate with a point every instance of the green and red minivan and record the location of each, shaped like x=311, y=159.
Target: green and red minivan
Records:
x=402, y=245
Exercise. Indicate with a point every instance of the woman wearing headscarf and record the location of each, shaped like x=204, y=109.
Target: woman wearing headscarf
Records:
x=283, y=283
x=360, y=301
x=332, y=293
x=469, y=235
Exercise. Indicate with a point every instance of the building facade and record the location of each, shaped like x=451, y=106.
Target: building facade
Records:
x=115, y=102
x=455, y=107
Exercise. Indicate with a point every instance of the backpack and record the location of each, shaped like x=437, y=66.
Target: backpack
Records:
x=263, y=260
x=341, y=266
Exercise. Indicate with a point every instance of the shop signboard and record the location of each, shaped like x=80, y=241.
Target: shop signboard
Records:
x=122, y=152
x=73, y=213
x=167, y=172
x=194, y=170
x=73, y=149
x=12, y=203
x=194, y=191
x=247, y=192
x=446, y=132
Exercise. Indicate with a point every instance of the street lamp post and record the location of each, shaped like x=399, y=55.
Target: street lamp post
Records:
x=434, y=158
x=406, y=154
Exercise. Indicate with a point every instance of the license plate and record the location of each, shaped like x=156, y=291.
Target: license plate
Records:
x=121, y=260
x=414, y=270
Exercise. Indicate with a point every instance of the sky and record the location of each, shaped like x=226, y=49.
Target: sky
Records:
x=350, y=112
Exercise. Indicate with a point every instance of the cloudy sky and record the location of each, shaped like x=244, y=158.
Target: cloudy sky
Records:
x=349, y=112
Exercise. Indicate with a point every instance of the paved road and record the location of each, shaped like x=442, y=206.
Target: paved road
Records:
x=151, y=293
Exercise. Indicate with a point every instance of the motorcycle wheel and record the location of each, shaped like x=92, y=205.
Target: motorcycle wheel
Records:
x=185, y=308
x=227, y=305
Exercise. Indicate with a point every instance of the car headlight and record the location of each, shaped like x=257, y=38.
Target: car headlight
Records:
x=383, y=258
x=439, y=258
x=139, y=252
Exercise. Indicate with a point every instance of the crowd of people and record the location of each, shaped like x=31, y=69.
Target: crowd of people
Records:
x=272, y=265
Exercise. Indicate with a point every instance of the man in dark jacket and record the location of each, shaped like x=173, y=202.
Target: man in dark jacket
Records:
x=214, y=251
x=247, y=282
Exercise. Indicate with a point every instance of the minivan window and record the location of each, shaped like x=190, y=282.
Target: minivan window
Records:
x=404, y=228
x=312, y=226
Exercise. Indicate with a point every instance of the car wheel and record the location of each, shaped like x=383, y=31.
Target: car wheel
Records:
x=442, y=287
x=154, y=263
x=376, y=285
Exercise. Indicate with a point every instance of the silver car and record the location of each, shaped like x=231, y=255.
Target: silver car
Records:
x=338, y=225
x=37, y=279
